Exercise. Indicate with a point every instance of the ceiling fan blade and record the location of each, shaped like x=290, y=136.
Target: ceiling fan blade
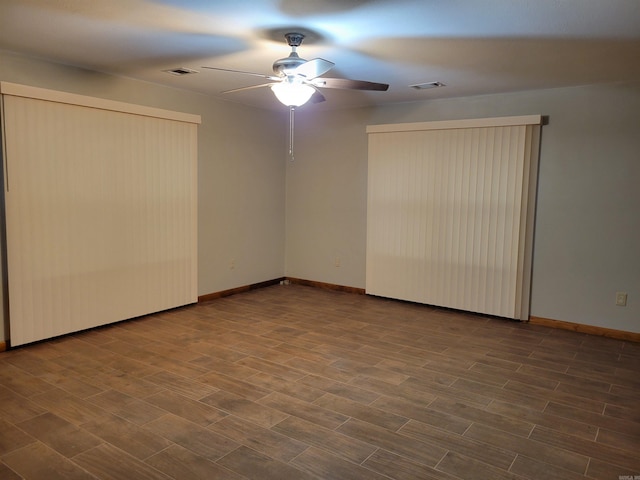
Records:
x=270, y=77
x=313, y=68
x=233, y=90
x=317, y=97
x=349, y=84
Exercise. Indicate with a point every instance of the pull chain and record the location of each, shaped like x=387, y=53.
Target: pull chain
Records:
x=291, y=123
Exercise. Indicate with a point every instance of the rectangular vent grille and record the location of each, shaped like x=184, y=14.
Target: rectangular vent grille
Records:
x=180, y=71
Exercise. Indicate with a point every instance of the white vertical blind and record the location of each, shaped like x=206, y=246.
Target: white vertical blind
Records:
x=449, y=219
x=101, y=211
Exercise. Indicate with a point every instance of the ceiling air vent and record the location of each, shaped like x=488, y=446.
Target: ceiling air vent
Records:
x=424, y=86
x=181, y=71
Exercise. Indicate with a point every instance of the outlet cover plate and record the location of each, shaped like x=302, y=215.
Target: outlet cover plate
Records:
x=621, y=299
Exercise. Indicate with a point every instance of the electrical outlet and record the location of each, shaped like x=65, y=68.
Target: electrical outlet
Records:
x=621, y=299
x=232, y=264
x=336, y=261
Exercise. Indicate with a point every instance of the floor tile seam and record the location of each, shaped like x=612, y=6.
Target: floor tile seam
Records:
x=134, y=425
x=620, y=372
x=553, y=394
x=216, y=389
x=398, y=434
x=347, y=417
x=452, y=393
x=544, y=356
x=291, y=460
x=513, y=463
x=446, y=451
x=633, y=422
x=527, y=362
x=182, y=378
x=7, y=363
x=483, y=395
x=616, y=445
x=534, y=423
x=437, y=468
x=419, y=374
x=172, y=443
x=582, y=410
x=609, y=427
x=511, y=381
x=75, y=427
x=148, y=457
x=471, y=423
x=485, y=464
x=634, y=348
x=586, y=470
x=77, y=465
x=361, y=464
x=555, y=401
x=382, y=411
x=628, y=392
x=269, y=389
x=613, y=378
x=524, y=452
x=491, y=425
x=588, y=364
x=34, y=394
x=33, y=440
x=589, y=389
x=271, y=363
x=486, y=364
x=404, y=424
x=472, y=378
x=394, y=355
x=378, y=449
x=410, y=418
x=579, y=442
x=601, y=343
x=618, y=418
x=134, y=458
x=571, y=472
x=431, y=366
x=17, y=475
x=607, y=391
x=333, y=431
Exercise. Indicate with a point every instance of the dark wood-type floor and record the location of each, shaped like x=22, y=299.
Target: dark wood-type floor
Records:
x=295, y=382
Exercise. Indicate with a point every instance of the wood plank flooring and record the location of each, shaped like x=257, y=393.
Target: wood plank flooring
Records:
x=294, y=382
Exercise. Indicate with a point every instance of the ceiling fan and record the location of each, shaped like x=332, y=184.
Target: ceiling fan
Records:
x=296, y=80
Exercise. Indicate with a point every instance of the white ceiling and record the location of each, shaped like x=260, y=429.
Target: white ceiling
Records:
x=473, y=46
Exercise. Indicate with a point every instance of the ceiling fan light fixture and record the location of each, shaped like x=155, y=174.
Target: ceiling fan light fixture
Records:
x=292, y=94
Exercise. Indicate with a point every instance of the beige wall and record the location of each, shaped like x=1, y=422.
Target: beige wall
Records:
x=241, y=170
x=588, y=217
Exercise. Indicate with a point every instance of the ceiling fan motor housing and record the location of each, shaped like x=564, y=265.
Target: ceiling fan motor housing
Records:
x=285, y=66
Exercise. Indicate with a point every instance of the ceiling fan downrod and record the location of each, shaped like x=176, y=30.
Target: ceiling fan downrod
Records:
x=291, y=124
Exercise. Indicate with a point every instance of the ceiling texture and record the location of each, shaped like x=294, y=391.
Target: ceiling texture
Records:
x=474, y=47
